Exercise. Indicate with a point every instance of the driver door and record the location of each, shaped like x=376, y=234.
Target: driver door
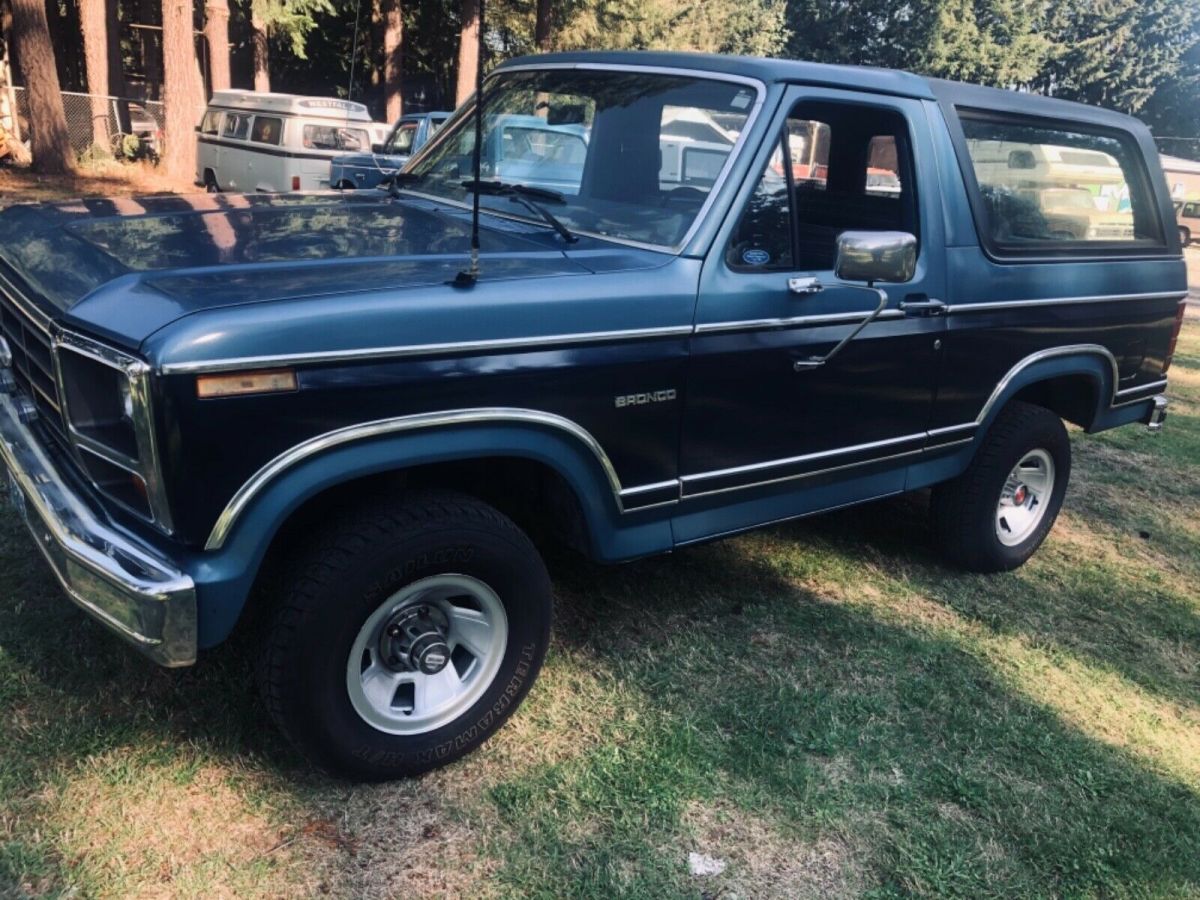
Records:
x=758, y=418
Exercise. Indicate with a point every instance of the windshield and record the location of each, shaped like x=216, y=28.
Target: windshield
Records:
x=633, y=153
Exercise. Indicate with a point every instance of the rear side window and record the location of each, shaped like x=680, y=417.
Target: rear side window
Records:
x=334, y=137
x=1046, y=188
x=236, y=126
x=266, y=130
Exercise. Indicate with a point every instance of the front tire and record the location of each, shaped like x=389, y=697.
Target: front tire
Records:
x=407, y=636
x=995, y=515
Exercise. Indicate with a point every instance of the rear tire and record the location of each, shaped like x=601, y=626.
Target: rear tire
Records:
x=427, y=581
x=995, y=515
x=210, y=182
x=1185, y=237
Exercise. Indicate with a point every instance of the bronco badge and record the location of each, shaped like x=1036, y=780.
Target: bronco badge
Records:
x=642, y=399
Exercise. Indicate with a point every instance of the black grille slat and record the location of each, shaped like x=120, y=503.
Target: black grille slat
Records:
x=33, y=363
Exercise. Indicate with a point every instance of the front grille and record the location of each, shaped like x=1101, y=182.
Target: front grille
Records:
x=33, y=363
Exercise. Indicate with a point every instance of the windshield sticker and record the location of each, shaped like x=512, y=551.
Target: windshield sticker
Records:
x=755, y=256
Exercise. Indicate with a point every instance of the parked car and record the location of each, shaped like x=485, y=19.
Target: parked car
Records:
x=1187, y=217
x=252, y=141
x=317, y=402
x=147, y=130
x=366, y=170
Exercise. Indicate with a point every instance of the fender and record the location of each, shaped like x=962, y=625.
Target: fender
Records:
x=1093, y=361
x=225, y=572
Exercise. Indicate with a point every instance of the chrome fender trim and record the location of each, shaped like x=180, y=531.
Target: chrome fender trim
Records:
x=1040, y=356
x=323, y=442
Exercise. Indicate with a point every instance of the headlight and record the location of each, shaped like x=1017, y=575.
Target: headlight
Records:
x=106, y=408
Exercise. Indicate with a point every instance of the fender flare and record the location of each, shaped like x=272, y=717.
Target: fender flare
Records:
x=225, y=572
x=1092, y=360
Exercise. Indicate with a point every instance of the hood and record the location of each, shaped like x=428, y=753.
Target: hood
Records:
x=123, y=268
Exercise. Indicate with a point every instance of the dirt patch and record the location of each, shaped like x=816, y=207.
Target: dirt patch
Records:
x=765, y=863
x=173, y=837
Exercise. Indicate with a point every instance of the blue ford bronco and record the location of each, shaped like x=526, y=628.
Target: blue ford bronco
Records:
x=365, y=170
x=759, y=290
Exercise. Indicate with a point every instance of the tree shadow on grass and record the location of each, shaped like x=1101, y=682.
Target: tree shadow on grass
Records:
x=941, y=778
x=745, y=687
x=1109, y=608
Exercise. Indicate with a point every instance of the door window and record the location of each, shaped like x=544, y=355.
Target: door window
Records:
x=838, y=167
x=402, y=139
x=266, y=130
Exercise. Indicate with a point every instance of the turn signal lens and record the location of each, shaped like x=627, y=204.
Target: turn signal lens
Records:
x=295, y=182
x=235, y=384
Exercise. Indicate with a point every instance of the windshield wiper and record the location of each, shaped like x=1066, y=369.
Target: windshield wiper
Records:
x=398, y=179
x=525, y=195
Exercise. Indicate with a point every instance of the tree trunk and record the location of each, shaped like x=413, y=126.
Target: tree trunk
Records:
x=216, y=32
x=262, y=55
x=51, y=144
x=393, y=57
x=468, y=51
x=116, y=66
x=93, y=22
x=182, y=93
x=541, y=28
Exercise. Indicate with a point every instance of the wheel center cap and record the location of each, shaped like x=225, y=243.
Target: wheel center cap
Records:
x=430, y=655
x=415, y=641
x=1020, y=495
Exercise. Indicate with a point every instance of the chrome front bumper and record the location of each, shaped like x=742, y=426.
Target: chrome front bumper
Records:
x=121, y=582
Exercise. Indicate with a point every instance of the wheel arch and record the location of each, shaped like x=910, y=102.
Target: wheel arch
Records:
x=1076, y=382
x=282, y=489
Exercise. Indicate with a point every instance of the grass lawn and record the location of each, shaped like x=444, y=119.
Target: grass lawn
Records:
x=823, y=706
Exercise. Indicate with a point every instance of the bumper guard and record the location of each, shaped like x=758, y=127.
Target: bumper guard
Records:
x=119, y=581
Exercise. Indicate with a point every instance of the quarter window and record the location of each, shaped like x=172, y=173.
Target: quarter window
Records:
x=1054, y=188
x=266, y=130
x=837, y=168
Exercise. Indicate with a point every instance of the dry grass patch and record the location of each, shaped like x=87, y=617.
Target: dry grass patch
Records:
x=173, y=835
x=19, y=185
x=764, y=862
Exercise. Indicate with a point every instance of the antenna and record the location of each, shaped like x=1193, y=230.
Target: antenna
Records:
x=469, y=276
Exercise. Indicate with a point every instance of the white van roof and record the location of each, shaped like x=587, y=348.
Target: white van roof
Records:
x=292, y=104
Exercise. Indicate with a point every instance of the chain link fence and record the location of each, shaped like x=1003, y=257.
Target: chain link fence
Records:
x=94, y=120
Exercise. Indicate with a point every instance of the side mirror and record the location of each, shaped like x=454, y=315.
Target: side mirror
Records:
x=870, y=256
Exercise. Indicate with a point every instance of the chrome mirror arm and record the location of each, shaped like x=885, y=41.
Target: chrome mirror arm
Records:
x=813, y=362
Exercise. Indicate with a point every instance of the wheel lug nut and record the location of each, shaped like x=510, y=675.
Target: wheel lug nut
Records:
x=393, y=631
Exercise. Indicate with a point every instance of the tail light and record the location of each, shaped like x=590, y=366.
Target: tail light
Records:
x=295, y=182
x=1174, y=337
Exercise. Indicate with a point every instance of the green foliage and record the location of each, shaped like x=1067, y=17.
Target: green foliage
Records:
x=292, y=20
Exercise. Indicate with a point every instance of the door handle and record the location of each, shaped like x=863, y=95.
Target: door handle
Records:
x=923, y=308
x=805, y=285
